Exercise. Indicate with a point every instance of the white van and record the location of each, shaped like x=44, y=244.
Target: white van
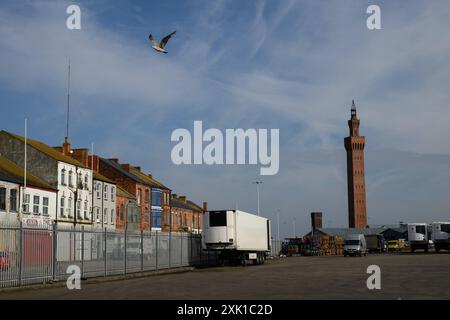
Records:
x=355, y=245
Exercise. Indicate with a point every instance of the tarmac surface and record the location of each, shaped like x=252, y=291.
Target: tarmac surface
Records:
x=403, y=276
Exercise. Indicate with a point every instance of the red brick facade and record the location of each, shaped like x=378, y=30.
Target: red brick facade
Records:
x=186, y=215
x=354, y=145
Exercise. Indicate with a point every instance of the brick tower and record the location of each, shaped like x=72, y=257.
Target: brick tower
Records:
x=354, y=145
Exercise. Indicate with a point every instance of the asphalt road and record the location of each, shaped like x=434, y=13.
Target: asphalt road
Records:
x=405, y=276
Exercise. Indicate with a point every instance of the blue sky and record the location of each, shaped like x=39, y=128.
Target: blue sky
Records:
x=292, y=65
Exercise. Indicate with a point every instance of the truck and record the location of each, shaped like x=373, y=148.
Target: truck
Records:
x=440, y=235
x=418, y=236
x=355, y=245
x=238, y=236
x=375, y=243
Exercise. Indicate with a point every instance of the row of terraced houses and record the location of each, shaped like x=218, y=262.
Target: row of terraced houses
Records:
x=42, y=185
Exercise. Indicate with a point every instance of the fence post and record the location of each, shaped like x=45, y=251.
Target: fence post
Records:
x=105, y=252
x=21, y=253
x=125, y=253
x=142, y=250
x=170, y=249
x=82, y=251
x=157, y=245
x=181, y=250
x=54, y=251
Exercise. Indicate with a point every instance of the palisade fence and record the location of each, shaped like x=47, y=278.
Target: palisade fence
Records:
x=40, y=255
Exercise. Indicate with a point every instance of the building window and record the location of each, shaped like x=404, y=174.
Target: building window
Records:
x=86, y=180
x=99, y=190
x=112, y=216
x=138, y=197
x=147, y=196
x=113, y=193
x=13, y=200
x=3, y=199
x=70, y=178
x=156, y=198
x=85, y=210
x=26, y=204
x=156, y=218
x=121, y=212
x=36, y=200
x=69, y=206
x=79, y=209
x=79, y=181
x=63, y=177
x=98, y=215
x=105, y=215
x=105, y=192
x=62, y=205
x=45, y=206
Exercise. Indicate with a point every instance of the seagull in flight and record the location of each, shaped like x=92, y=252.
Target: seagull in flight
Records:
x=160, y=47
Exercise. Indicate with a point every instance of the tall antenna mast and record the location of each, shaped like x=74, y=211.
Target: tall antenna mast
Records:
x=68, y=102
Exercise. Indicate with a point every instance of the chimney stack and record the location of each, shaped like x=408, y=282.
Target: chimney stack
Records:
x=114, y=160
x=82, y=155
x=182, y=198
x=205, y=206
x=66, y=147
x=138, y=168
x=126, y=166
x=316, y=220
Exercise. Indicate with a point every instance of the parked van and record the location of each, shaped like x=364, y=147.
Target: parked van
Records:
x=355, y=245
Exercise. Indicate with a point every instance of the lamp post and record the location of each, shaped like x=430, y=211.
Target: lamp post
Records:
x=278, y=224
x=257, y=191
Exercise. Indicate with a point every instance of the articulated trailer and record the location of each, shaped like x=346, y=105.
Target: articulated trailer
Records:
x=237, y=236
x=440, y=235
x=418, y=236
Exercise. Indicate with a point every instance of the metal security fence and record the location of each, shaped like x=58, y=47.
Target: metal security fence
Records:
x=40, y=255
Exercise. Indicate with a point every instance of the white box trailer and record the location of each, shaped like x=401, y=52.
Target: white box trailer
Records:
x=238, y=235
x=440, y=234
x=418, y=236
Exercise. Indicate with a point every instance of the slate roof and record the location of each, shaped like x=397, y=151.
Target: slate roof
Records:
x=149, y=180
x=98, y=176
x=49, y=151
x=13, y=173
x=189, y=205
x=119, y=168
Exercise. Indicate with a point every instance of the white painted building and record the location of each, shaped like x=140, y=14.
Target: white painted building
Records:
x=104, y=203
x=34, y=204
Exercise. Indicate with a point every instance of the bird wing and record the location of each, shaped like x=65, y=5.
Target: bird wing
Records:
x=165, y=40
x=152, y=40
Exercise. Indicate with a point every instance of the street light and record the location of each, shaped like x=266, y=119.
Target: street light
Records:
x=257, y=191
x=278, y=224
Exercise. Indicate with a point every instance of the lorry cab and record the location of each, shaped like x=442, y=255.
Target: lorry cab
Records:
x=440, y=235
x=418, y=236
x=355, y=245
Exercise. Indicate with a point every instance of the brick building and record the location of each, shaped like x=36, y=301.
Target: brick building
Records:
x=354, y=146
x=121, y=174
x=186, y=215
x=127, y=211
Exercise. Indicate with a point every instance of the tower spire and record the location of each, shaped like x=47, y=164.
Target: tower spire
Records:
x=353, y=112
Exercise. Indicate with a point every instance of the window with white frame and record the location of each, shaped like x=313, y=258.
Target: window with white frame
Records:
x=63, y=177
x=62, y=205
x=36, y=201
x=45, y=206
x=70, y=178
x=26, y=204
x=79, y=209
x=112, y=216
x=85, y=211
x=98, y=215
x=3, y=199
x=86, y=184
x=13, y=200
x=105, y=215
x=105, y=192
x=99, y=190
x=69, y=206
x=113, y=193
